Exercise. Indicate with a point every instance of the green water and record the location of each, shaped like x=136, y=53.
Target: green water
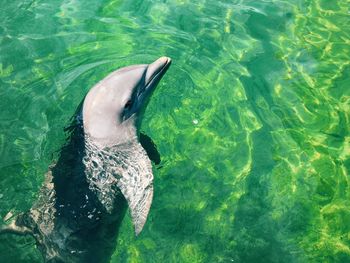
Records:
x=252, y=120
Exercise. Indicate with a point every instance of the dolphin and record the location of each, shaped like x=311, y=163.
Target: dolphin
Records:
x=100, y=170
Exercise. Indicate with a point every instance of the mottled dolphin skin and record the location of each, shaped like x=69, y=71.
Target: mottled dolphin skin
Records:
x=101, y=169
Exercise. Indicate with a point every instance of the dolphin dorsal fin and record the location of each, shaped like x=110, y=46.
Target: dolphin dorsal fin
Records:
x=136, y=184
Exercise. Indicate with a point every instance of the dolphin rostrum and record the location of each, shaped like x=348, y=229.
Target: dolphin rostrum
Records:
x=100, y=169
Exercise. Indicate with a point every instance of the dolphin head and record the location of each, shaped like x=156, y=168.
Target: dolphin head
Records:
x=111, y=107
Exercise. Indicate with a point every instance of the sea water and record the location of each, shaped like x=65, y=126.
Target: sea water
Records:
x=251, y=121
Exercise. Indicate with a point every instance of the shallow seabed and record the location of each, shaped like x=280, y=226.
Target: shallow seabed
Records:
x=252, y=120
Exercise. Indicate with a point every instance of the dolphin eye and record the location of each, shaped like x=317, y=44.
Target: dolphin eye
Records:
x=128, y=104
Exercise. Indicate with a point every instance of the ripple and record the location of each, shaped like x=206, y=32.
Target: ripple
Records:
x=251, y=120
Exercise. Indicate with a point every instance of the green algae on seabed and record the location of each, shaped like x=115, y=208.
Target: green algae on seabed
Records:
x=251, y=120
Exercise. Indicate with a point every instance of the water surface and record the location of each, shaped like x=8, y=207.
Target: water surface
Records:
x=251, y=121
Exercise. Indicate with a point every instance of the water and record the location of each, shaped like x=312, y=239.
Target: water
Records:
x=251, y=120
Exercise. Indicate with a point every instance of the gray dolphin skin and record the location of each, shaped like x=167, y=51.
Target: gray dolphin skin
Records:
x=100, y=171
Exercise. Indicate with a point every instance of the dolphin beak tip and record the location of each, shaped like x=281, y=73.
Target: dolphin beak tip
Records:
x=157, y=69
x=164, y=60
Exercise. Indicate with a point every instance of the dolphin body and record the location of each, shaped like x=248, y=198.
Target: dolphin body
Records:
x=102, y=169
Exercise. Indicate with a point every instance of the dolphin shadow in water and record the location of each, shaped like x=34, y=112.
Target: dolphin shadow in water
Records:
x=100, y=171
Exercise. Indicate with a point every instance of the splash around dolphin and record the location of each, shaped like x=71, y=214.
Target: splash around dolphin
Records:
x=101, y=169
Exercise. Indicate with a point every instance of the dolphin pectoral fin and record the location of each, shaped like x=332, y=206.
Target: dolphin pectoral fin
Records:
x=13, y=228
x=139, y=203
x=150, y=147
x=140, y=208
x=136, y=184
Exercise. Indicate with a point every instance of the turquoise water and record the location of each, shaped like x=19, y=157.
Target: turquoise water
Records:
x=252, y=120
